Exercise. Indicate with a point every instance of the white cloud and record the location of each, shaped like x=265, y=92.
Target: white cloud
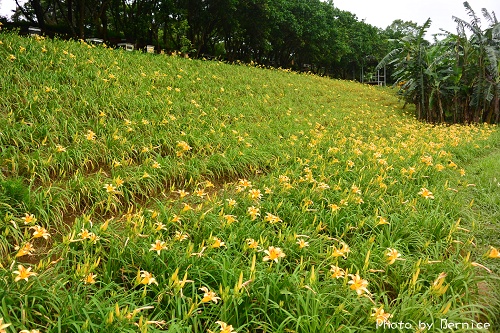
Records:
x=7, y=6
x=381, y=13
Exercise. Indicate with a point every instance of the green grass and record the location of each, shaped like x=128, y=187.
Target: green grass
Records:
x=99, y=148
x=481, y=200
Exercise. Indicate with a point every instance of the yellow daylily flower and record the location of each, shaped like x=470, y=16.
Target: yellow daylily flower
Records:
x=493, y=253
x=381, y=316
x=392, y=255
x=147, y=278
x=90, y=278
x=253, y=212
x=218, y=243
x=337, y=272
x=40, y=232
x=273, y=254
x=426, y=193
x=3, y=326
x=158, y=246
x=252, y=243
x=302, y=243
x=358, y=284
x=29, y=218
x=26, y=249
x=209, y=296
x=225, y=328
x=23, y=273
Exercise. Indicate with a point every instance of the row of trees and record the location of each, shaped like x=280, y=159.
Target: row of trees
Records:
x=456, y=79
x=286, y=33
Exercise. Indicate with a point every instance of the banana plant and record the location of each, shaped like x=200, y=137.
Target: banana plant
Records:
x=453, y=80
x=479, y=59
x=493, y=66
x=410, y=62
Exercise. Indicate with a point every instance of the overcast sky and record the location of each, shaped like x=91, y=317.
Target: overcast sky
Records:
x=7, y=6
x=382, y=13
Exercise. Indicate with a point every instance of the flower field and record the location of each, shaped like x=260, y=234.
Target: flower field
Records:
x=154, y=193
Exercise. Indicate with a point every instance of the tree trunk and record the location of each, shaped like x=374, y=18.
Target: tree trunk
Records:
x=100, y=19
x=164, y=37
x=496, y=108
x=70, y=13
x=441, y=112
x=104, y=20
x=37, y=7
x=81, y=18
x=68, y=16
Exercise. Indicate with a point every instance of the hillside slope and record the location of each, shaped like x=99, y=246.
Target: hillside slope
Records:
x=157, y=193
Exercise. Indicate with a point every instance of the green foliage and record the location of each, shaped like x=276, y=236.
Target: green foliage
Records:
x=168, y=194
x=14, y=196
x=455, y=79
x=310, y=35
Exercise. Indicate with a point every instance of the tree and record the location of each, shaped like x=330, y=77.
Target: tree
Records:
x=456, y=79
x=479, y=60
x=399, y=28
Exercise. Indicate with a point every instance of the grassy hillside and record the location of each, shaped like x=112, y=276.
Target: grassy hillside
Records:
x=154, y=193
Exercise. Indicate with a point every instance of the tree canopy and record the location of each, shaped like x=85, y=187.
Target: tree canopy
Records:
x=456, y=79
x=299, y=34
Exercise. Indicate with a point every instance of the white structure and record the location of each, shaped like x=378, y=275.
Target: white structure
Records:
x=93, y=40
x=32, y=31
x=126, y=46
